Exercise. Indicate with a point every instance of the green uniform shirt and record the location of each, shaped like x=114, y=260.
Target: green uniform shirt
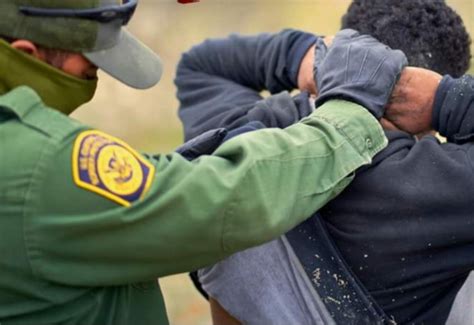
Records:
x=87, y=224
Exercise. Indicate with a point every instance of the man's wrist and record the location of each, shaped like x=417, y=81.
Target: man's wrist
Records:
x=297, y=53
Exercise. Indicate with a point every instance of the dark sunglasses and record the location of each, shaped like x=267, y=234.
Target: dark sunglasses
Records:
x=123, y=12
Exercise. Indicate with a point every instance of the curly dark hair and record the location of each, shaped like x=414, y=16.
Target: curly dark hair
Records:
x=431, y=34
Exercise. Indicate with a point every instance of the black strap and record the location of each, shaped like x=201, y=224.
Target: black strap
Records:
x=345, y=298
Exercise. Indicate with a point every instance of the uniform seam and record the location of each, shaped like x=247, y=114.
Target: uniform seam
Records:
x=24, y=120
x=344, y=134
x=29, y=247
x=230, y=210
x=321, y=138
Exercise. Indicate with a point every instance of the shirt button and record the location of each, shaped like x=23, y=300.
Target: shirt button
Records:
x=369, y=143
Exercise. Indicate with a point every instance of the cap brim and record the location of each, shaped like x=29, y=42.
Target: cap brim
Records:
x=130, y=61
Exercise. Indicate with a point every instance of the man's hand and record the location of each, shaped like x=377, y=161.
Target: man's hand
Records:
x=306, y=80
x=411, y=104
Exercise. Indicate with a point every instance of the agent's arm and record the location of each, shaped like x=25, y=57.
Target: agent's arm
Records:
x=141, y=219
x=138, y=222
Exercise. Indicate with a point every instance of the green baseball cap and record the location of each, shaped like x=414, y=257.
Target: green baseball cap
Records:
x=94, y=28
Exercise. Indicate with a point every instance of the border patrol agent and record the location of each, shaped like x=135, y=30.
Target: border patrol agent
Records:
x=87, y=224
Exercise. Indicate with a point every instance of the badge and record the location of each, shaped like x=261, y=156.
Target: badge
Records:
x=108, y=166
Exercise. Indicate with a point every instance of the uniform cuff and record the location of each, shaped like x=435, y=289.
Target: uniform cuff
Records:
x=356, y=124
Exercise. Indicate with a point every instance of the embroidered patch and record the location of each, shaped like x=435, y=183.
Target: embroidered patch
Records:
x=108, y=166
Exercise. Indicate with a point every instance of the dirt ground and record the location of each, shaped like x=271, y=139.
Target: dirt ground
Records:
x=147, y=119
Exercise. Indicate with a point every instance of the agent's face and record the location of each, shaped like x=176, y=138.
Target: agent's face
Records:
x=78, y=66
x=72, y=63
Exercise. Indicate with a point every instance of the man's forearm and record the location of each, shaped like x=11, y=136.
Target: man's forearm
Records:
x=265, y=61
x=219, y=81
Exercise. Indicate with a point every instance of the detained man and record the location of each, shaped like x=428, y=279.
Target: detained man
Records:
x=395, y=215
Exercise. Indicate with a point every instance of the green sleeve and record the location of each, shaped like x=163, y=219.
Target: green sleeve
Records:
x=252, y=189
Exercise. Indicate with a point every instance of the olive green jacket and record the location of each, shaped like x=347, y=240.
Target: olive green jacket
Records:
x=87, y=224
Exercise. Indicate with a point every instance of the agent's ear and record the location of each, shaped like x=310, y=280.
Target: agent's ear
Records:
x=27, y=47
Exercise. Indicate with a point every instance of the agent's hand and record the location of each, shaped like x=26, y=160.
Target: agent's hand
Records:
x=411, y=104
x=360, y=69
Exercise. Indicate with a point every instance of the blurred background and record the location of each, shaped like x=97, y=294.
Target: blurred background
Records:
x=148, y=119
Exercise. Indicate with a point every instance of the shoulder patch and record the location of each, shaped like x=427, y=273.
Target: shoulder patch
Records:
x=108, y=166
